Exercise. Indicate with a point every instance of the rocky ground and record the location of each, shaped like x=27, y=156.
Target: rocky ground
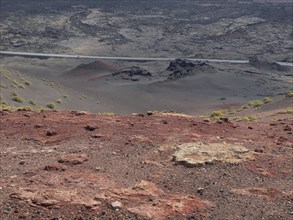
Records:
x=79, y=165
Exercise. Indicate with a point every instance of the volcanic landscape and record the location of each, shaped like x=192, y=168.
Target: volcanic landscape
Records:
x=162, y=139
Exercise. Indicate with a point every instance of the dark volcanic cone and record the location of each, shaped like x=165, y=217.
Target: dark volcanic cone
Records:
x=181, y=68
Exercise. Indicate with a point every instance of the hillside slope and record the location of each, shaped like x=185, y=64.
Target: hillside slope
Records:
x=78, y=165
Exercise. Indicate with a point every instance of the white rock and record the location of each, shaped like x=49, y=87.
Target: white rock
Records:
x=116, y=204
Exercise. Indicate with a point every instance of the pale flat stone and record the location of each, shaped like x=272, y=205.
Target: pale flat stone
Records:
x=198, y=153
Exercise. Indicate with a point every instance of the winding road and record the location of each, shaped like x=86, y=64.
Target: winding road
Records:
x=10, y=53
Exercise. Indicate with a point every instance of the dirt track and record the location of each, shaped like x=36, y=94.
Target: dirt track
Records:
x=76, y=165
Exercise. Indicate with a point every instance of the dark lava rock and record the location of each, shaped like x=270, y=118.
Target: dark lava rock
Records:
x=181, y=68
x=224, y=119
x=264, y=64
x=51, y=133
x=90, y=128
x=134, y=74
x=258, y=150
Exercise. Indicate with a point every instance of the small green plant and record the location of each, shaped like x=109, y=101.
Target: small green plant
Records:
x=15, y=82
x=65, y=96
x=15, y=108
x=7, y=77
x=18, y=84
x=107, y=113
x=58, y=101
x=249, y=118
x=27, y=82
x=255, y=103
x=50, y=105
x=32, y=102
x=39, y=109
x=290, y=111
x=267, y=100
x=237, y=118
x=17, y=99
x=3, y=86
x=27, y=108
x=289, y=93
x=21, y=86
x=217, y=114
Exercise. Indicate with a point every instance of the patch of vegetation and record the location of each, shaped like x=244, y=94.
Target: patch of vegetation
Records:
x=289, y=94
x=17, y=99
x=58, y=101
x=27, y=108
x=217, y=114
x=249, y=118
x=237, y=118
x=3, y=86
x=32, y=102
x=107, y=113
x=25, y=81
x=65, y=96
x=21, y=86
x=255, y=103
x=5, y=106
x=7, y=77
x=50, y=105
x=15, y=82
x=267, y=100
x=18, y=84
x=290, y=111
x=39, y=109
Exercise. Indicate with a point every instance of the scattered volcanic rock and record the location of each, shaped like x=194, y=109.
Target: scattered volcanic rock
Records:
x=54, y=167
x=146, y=199
x=73, y=159
x=269, y=193
x=198, y=154
x=51, y=133
x=133, y=73
x=90, y=127
x=181, y=68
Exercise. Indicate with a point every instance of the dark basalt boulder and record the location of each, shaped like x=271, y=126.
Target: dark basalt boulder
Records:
x=181, y=68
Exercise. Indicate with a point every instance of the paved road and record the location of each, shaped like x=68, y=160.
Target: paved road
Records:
x=126, y=58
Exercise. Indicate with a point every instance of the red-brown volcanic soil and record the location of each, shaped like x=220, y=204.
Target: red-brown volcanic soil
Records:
x=78, y=165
